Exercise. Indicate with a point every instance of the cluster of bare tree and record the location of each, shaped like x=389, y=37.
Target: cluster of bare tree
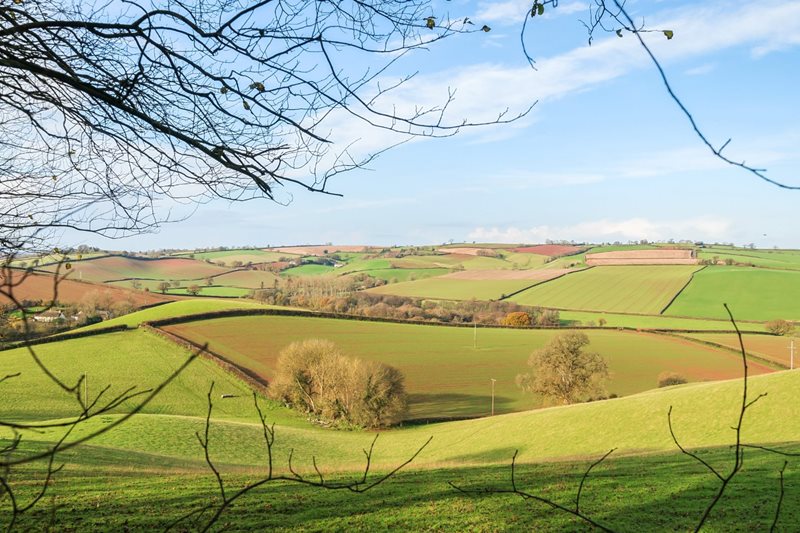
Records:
x=315, y=377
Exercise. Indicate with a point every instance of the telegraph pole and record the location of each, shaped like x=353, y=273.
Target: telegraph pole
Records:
x=791, y=357
x=493, y=380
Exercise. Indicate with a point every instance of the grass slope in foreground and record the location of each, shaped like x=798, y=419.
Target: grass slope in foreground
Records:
x=625, y=289
x=445, y=375
x=751, y=294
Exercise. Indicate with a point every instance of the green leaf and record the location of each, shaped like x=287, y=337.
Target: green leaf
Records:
x=619, y=33
x=245, y=105
x=540, y=9
x=486, y=28
x=223, y=90
x=430, y=22
x=669, y=34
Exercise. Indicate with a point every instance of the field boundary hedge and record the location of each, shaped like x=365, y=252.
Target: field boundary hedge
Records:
x=232, y=313
x=251, y=378
x=672, y=300
x=66, y=336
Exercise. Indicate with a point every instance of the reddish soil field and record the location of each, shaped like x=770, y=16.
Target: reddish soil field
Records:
x=316, y=250
x=533, y=275
x=642, y=257
x=552, y=250
x=40, y=287
x=118, y=267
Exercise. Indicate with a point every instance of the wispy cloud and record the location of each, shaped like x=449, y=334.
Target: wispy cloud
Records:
x=512, y=12
x=707, y=228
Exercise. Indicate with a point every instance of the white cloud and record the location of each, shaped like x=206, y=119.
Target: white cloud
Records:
x=706, y=228
x=513, y=11
x=700, y=70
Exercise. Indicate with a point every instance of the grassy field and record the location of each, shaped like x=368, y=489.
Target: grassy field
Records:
x=213, y=290
x=445, y=375
x=180, y=308
x=651, y=493
x=406, y=274
x=248, y=279
x=751, y=294
x=769, y=347
x=632, y=289
x=784, y=259
x=250, y=255
x=454, y=289
x=585, y=318
x=308, y=270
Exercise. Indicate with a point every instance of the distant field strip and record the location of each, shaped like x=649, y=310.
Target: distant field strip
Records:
x=751, y=294
x=445, y=375
x=531, y=275
x=627, y=289
x=454, y=289
x=118, y=267
x=785, y=259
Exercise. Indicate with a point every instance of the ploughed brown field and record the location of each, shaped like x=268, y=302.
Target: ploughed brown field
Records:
x=463, y=251
x=533, y=275
x=642, y=257
x=552, y=250
x=317, y=250
x=40, y=287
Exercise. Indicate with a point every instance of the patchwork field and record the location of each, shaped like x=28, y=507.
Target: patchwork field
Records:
x=406, y=274
x=118, y=267
x=316, y=250
x=308, y=270
x=454, y=289
x=445, y=375
x=631, y=289
x=248, y=279
x=751, y=294
x=588, y=318
x=770, y=347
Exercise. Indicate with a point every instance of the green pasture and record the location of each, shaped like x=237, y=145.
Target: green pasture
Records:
x=751, y=294
x=770, y=347
x=358, y=265
x=631, y=289
x=248, y=279
x=247, y=255
x=180, y=308
x=613, y=320
x=116, y=360
x=212, y=290
x=784, y=259
x=308, y=270
x=454, y=289
x=406, y=274
x=446, y=376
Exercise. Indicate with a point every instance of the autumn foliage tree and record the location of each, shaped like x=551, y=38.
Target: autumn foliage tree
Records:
x=563, y=371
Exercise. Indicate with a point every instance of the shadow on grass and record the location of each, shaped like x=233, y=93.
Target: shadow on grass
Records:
x=451, y=406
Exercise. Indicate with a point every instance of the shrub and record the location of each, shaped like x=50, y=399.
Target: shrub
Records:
x=516, y=318
x=315, y=377
x=779, y=326
x=667, y=379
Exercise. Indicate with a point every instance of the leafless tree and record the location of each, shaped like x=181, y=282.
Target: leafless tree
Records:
x=113, y=107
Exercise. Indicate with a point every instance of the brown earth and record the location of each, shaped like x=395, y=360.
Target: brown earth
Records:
x=464, y=251
x=642, y=257
x=552, y=250
x=37, y=287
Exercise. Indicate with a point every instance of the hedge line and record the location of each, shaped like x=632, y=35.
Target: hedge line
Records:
x=343, y=316
x=251, y=378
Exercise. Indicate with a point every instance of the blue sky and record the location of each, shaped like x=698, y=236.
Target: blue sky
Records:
x=605, y=155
